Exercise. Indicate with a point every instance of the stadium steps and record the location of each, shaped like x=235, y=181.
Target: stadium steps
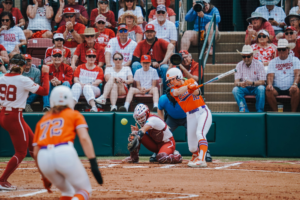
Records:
x=222, y=106
x=227, y=79
x=219, y=68
x=222, y=57
x=219, y=96
x=223, y=47
x=219, y=87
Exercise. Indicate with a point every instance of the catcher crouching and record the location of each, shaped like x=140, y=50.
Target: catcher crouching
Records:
x=154, y=134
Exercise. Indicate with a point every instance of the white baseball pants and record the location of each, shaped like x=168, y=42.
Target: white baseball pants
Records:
x=62, y=167
x=88, y=91
x=198, y=125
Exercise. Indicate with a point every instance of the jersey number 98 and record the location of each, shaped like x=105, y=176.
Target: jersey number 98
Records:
x=8, y=92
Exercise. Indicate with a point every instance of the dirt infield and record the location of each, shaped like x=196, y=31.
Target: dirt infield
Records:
x=221, y=180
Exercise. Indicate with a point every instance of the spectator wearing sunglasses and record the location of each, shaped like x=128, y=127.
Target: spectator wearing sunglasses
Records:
x=171, y=15
x=39, y=15
x=103, y=9
x=58, y=41
x=135, y=31
x=291, y=36
x=82, y=16
x=117, y=80
x=264, y=51
x=11, y=37
x=164, y=28
x=105, y=34
x=131, y=5
x=16, y=13
x=59, y=74
x=89, y=36
x=249, y=80
x=121, y=44
x=34, y=74
x=273, y=13
x=257, y=23
x=87, y=78
x=71, y=30
x=283, y=76
x=293, y=19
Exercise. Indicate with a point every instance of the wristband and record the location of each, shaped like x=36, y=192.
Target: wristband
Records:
x=140, y=133
x=71, y=31
x=93, y=162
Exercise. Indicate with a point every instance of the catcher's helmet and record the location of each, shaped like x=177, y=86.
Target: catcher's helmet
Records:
x=141, y=114
x=61, y=96
x=173, y=73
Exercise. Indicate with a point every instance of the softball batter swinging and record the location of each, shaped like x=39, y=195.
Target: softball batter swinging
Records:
x=56, y=156
x=199, y=117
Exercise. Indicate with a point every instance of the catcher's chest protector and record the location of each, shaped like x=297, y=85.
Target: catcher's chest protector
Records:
x=157, y=135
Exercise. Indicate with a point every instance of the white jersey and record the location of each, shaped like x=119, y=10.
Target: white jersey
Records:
x=167, y=31
x=158, y=126
x=114, y=45
x=14, y=90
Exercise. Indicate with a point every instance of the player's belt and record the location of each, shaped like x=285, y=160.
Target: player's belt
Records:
x=12, y=109
x=195, y=110
x=51, y=146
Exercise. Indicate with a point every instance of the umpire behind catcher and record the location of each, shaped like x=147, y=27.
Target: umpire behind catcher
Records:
x=174, y=116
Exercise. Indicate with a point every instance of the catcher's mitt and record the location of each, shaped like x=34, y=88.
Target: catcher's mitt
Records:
x=133, y=142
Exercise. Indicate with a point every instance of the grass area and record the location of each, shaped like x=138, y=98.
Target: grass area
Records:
x=146, y=158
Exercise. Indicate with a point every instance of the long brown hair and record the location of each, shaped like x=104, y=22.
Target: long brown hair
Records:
x=133, y=7
x=57, y=109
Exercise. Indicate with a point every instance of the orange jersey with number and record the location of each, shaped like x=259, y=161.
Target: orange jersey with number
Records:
x=58, y=128
x=188, y=101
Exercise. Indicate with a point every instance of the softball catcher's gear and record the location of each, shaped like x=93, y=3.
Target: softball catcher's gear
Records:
x=133, y=142
x=47, y=184
x=96, y=171
x=141, y=114
x=61, y=96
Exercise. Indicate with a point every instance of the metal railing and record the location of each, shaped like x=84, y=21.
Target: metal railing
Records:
x=202, y=59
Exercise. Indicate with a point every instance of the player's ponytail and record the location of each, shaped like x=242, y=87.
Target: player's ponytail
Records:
x=57, y=109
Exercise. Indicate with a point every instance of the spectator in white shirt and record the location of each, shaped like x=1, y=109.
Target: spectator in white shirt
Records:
x=164, y=28
x=283, y=76
x=295, y=9
x=146, y=79
x=274, y=14
x=131, y=5
x=117, y=80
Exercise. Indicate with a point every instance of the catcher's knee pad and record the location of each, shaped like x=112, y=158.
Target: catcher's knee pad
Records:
x=177, y=159
x=134, y=155
x=164, y=158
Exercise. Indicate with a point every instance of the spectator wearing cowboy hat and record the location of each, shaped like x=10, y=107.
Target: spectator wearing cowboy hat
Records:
x=257, y=23
x=205, y=16
x=164, y=28
x=105, y=34
x=59, y=74
x=121, y=44
x=82, y=16
x=171, y=15
x=89, y=36
x=146, y=79
x=34, y=74
x=283, y=76
x=39, y=16
x=273, y=13
x=4, y=54
x=58, y=41
x=103, y=9
x=135, y=31
x=249, y=80
x=293, y=19
x=71, y=30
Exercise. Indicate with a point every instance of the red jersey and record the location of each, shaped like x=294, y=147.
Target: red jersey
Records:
x=157, y=52
x=170, y=13
x=16, y=13
x=58, y=128
x=78, y=8
x=188, y=101
x=110, y=17
x=194, y=69
x=63, y=73
x=81, y=52
x=67, y=54
x=70, y=42
x=88, y=76
x=2, y=48
x=105, y=36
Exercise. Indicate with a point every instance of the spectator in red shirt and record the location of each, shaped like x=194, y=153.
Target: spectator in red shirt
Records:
x=291, y=36
x=58, y=41
x=4, y=54
x=71, y=30
x=104, y=10
x=160, y=53
x=258, y=22
x=134, y=31
x=87, y=78
x=171, y=15
x=105, y=34
x=17, y=15
x=89, y=42
x=293, y=19
x=59, y=74
x=83, y=16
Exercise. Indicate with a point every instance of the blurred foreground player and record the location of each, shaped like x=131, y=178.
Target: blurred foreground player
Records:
x=14, y=90
x=54, y=151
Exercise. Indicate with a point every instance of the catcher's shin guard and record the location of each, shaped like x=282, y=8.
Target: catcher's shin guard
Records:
x=164, y=158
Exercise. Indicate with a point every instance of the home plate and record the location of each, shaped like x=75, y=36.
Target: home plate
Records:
x=135, y=166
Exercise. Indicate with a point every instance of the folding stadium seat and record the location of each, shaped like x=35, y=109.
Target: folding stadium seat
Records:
x=37, y=47
x=37, y=62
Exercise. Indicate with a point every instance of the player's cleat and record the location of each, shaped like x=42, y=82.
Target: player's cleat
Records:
x=94, y=109
x=122, y=109
x=114, y=108
x=130, y=160
x=208, y=157
x=197, y=163
x=153, y=158
x=154, y=109
x=45, y=109
x=194, y=156
x=7, y=186
x=101, y=100
x=28, y=108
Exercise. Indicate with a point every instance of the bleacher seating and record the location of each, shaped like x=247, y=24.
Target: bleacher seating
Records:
x=37, y=47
